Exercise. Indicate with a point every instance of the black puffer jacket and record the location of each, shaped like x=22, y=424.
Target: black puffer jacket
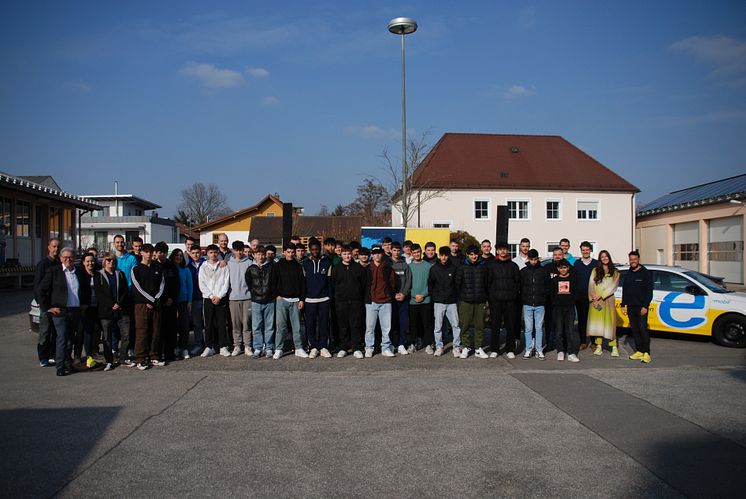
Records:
x=259, y=280
x=441, y=282
x=471, y=282
x=348, y=282
x=534, y=285
x=504, y=280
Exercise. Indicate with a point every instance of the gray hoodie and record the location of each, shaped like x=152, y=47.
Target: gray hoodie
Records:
x=403, y=276
x=237, y=272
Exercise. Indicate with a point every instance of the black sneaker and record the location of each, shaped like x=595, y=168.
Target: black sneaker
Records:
x=143, y=365
x=61, y=372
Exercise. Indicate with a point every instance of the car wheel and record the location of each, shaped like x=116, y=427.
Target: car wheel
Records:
x=730, y=331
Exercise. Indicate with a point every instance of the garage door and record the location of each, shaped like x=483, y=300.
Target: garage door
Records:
x=686, y=245
x=725, y=248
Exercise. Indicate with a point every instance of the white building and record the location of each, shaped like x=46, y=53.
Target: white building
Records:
x=550, y=188
x=123, y=214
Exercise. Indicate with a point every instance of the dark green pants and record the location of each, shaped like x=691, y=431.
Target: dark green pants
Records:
x=471, y=314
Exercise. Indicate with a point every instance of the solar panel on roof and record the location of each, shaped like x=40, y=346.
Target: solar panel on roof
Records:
x=700, y=193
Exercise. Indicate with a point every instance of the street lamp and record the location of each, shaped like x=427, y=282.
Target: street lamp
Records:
x=403, y=26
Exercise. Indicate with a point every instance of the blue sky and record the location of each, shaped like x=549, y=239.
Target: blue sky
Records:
x=300, y=98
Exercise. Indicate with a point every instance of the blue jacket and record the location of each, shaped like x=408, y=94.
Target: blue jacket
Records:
x=186, y=287
x=317, y=277
x=125, y=264
x=194, y=269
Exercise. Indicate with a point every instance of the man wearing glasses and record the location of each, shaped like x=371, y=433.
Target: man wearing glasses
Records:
x=65, y=292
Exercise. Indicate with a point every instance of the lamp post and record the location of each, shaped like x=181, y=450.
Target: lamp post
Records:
x=403, y=26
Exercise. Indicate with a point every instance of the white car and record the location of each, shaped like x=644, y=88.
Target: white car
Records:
x=685, y=301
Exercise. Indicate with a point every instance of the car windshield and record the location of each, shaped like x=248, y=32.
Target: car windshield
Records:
x=709, y=284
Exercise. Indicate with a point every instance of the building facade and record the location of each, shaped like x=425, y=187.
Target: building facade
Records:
x=34, y=210
x=124, y=214
x=237, y=225
x=700, y=228
x=550, y=189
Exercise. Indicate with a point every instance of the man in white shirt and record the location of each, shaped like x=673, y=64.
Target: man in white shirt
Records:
x=521, y=259
x=214, y=282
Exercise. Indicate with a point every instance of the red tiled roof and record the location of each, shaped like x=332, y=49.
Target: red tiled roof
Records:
x=484, y=161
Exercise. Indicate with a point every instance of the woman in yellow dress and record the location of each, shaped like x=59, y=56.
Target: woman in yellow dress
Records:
x=602, y=312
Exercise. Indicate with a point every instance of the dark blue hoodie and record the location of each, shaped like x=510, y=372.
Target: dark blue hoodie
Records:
x=317, y=278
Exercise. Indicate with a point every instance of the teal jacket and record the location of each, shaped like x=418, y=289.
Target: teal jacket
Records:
x=420, y=273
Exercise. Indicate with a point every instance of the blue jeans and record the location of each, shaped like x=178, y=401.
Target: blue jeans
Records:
x=450, y=310
x=400, y=318
x=263, y=325
x=287, y=311
x=378, y=312
x=66, y=324
x=533, y=320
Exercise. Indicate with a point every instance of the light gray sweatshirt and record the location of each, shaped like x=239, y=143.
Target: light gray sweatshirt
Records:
x=237, y=273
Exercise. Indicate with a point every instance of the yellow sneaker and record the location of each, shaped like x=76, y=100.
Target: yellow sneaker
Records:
x=646, y=358
x=598, y=351
x=90, y=363
x=614, y=352
x=636, y=356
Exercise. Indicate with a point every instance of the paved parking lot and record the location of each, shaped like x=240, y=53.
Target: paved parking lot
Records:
x=410, y=426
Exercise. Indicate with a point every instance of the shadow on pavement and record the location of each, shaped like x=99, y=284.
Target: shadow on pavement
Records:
x=43, y=448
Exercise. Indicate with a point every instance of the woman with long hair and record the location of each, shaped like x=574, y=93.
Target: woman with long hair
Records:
x=602, y=311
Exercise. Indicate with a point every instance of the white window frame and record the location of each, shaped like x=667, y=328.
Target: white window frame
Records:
x=442, y=222
x=549, y=251
x=598, y=210
x=517, y=245
x=559, y=210
x=474, y=209
x=519, y=200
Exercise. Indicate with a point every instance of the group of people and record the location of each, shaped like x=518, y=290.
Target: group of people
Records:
x=143, y=304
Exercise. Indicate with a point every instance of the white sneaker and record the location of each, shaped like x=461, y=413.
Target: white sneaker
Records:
x=185, y=354
x=207, y=352
x=368, y=353
x=278, y=354
x=410, y=349
x=429, y=350
x=493, y=355
x=456, y=351
x=464, y=353
x=540, y=355
x=248, y=351
x=438, y=351
x=325, y=353
x=236, y=351
x=108, y=367
x=268, y=353
x=314, y=353
x=560, y=356
x=388, y=353
x=510, y=355
x=527, y=354
x=358, y=354
x=301, y=353
x=402, y=350
x=341, y=353
x=225, y=352
x=573, y=358
x=481, y=354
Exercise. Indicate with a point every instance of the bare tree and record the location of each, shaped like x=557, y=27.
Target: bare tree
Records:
x=372, y=202
x=200, y=202
x=416, y=193
x=323, y=211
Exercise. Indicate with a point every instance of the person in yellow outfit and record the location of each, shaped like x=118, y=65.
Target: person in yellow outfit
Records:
x=602, y=312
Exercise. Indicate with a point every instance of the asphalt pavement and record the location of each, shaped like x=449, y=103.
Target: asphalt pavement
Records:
x=412, y=426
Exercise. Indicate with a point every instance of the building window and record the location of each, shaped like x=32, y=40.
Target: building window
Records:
x=687, y=252
x=550, y=246
x=67, y=225
x=215, y=237
x=553, y=210
x=441, y=224
x=587, y=210
x=23, y=219
x=130, y=236
x=6, y=213
x=512, y=250
x=270, y=214
x=38, y=221
x=518, y=210
x=481, y=210
x=100, y=240
x=54, y=223
x=726, y=251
